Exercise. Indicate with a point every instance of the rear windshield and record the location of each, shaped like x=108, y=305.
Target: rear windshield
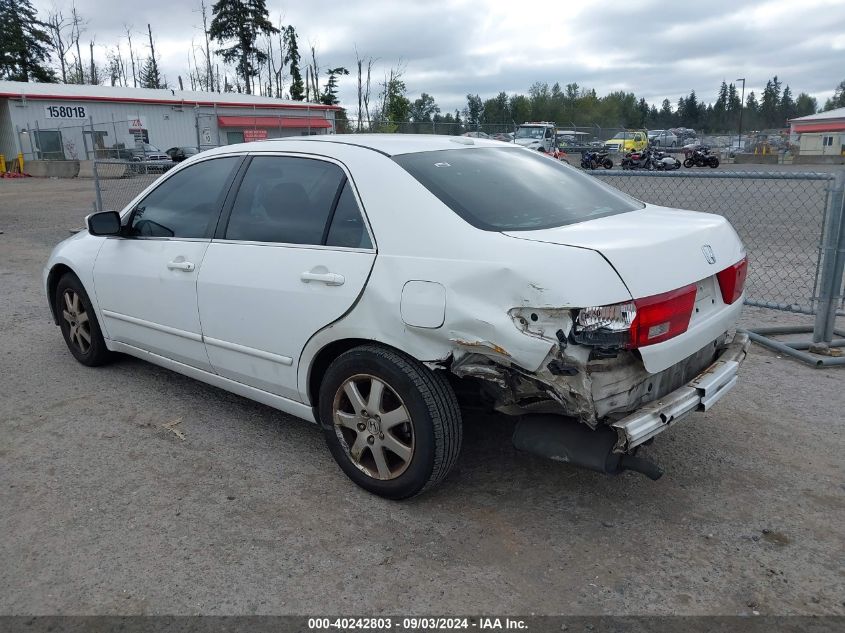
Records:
x=513, y=189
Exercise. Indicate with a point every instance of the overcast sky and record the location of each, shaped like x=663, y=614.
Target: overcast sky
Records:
x=449, y=48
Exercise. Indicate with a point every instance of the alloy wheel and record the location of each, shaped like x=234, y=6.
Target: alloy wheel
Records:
x=374, y=426
x=79, y=326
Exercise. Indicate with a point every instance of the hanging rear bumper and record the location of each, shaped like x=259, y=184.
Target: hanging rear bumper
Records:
x=699, y=394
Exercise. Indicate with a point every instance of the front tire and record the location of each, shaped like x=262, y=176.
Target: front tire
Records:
x=78, y=323
x=607, y=163
x=392, y=424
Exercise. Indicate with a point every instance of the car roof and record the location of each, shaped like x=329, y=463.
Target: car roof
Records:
x=388, y=144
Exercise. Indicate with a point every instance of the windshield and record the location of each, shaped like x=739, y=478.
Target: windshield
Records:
x=530, y=132
x=624, y=135
x=512, y=189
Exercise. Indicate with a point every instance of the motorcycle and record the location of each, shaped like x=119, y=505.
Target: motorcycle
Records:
x=700, y=157
x=592, y=160
x=638, y=159
x=664, y=162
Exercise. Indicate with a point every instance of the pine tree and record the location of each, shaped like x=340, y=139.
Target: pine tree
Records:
x=24, y=43
x=787, y=106
x=805, y=105
x=150, y=77
x=292, y=57
x=838, y=99
x=720, y=109
x=329, y=96
x=770, y=103
x=752, y=112
x=242, y=21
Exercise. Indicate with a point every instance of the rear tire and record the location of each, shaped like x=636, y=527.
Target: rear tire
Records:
x=78, y=323
x=688, y=163
x=392, y=424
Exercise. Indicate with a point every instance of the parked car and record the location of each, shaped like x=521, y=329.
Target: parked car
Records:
x=146, y=152
x=662, y=138
x=147, y=158
x=506, y=137
x=476, y=134
x=178, y=154
x=288, y=274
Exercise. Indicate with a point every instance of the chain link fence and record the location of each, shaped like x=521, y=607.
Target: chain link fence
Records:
x=780, y=217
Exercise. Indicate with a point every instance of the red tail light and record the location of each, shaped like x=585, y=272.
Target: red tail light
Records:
x=661, y=317
x=732, y=280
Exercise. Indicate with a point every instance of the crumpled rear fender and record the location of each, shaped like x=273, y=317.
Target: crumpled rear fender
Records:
x=481, y=290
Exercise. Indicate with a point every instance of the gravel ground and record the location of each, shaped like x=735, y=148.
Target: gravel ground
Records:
x=104, y=509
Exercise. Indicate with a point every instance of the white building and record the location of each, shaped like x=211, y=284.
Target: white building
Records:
x=821, y=134
x=69, y=122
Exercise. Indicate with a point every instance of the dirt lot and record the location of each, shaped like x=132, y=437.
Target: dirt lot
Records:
x=105, y=510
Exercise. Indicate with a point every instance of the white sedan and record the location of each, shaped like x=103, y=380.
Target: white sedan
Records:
x=362, y=281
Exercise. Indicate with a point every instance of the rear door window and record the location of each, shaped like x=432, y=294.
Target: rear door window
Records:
x=347, y=228
x=286, y=200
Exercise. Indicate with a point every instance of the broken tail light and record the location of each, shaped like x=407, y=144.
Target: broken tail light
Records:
x=605, y=326
x=732, y=280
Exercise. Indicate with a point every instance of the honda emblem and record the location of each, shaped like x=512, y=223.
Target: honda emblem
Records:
x=708, y=254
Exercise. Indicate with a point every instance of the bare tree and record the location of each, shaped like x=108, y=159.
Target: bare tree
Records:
x=209, y=76
x=77, y=29
x=116, y=67
x=364, y=88
x=315, y=74
x=128, y=30
x=60, y=30
x=93, y=75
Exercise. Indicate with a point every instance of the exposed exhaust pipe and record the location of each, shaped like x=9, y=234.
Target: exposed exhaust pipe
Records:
x=564, y=440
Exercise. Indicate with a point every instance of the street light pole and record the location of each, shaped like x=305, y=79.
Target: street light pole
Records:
x=741, y=106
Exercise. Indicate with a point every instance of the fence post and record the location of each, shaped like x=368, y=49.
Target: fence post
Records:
x=98, y=195
x=833, y=262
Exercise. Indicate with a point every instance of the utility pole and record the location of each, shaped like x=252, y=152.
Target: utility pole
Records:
x=741, y=106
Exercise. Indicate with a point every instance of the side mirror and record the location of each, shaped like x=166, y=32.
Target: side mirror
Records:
x=103, y=223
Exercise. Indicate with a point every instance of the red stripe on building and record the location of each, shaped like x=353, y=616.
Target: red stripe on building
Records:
x=271, y=122
x=833, y=126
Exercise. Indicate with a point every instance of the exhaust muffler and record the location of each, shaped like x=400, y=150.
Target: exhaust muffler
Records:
x=565, y=440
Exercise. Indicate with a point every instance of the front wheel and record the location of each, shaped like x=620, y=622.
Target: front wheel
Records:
x=714, y=162
x=79, y=323
x=392, y=424
x=607, y=163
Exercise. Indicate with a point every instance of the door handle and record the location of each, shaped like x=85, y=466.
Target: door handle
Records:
x=330, y=279
x=183, y=265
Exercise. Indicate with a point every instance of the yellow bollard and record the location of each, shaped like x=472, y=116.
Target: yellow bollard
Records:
x=20, y=162
x=2, y=164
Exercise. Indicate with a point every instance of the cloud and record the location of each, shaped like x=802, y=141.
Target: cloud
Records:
x=451, y=48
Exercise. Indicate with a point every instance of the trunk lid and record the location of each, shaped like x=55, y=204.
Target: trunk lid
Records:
x=655, y=249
